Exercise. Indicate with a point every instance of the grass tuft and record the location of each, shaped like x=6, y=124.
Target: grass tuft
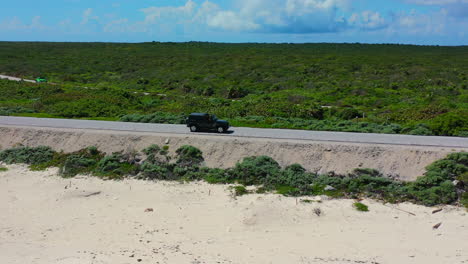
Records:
x=361, y=207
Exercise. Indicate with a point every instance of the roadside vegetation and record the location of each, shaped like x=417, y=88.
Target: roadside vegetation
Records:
x=400, y=89
x=445, y=181
x=361, y=207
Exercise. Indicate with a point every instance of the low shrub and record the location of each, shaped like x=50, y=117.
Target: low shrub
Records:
x=81, y=162
x=436, y=186
x=450, y=124
x=189, y=156
x=287, y=190
x=361, y=207
x=152, y=171
x=156, y=155
x=3, y=169
x=77, y=164
x=158, y=117
x=115, y=166
x=445, y=181
x=216, y=175
x=240, y=190
x=256, y=170
x=464, y=199
x=27, y=155
x=6, y=111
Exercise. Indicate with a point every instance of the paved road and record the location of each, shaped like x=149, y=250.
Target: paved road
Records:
x=11, y=78
x=241, y=132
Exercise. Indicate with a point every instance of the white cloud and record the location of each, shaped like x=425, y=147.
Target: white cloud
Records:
x=455, y=8
x=368, y=20
x=162, y=14
x=15, y=24
x=286, y=16
x=438, y=23
x=437, y=2
x=88, y=16
x=228, y=20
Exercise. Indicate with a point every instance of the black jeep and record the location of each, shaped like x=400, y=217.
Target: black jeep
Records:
x=202, y=121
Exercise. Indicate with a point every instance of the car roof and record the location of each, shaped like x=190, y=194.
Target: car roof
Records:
x=198, y=114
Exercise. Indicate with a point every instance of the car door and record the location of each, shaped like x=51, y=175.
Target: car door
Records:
x=205, y=122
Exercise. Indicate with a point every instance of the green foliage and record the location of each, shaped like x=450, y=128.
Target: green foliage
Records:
x=77, y=164
x=216, y=175
x=115, y=166
x=156, y=155
x=361, y=207
x=445, y=181
x=443, y=193
x=27, y=155
x=81, y=162
x=152, y=171
x=286, y=190
x=189, y=156
x=349, y=113
x=240, y=190
x=436, y=186
x=158, y=117
x=307, y=86
x=6, y=111
x=450, y=124
x=3, y=169
x=464, y=199
x=256, y=170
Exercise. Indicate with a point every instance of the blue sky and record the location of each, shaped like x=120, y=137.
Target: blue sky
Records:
x=425, y=22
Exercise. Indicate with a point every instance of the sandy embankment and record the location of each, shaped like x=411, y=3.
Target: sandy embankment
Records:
x=405, y=162
x=46, y=219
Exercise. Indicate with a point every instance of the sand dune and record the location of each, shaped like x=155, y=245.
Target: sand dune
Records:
x=47, y=219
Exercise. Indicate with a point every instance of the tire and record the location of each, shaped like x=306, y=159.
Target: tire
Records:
x=221, y=129
x=193, y=128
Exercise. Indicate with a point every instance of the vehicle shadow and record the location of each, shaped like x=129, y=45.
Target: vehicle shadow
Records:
x=216, y=132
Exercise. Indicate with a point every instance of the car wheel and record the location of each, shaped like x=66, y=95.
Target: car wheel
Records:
x=221, y=130
x=193, y=128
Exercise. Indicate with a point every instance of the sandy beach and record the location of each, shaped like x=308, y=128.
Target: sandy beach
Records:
x=45, y=219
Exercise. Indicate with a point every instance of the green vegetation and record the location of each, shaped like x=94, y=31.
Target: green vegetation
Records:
x=240, y=190
x=27, y=155
x=361, y=207
x=419, y=90
x=3, y=169
x=445, y=181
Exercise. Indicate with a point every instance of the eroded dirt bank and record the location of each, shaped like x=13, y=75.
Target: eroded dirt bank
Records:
x=406, y=162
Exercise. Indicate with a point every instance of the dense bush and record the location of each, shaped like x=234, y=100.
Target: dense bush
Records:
x=115, y=166
x=6, y=111
x=27, y=155
x=436, y=186
x=326, y=86
x=256, y=170
x=158, y=117
x=80, y=162
x=189, y=156
x=450, y=124
x=156, y=155
x=153, y=171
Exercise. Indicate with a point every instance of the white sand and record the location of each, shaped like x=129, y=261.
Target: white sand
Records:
x=43, y=221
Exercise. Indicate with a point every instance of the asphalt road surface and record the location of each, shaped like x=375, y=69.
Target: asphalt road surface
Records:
x=455, y=142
